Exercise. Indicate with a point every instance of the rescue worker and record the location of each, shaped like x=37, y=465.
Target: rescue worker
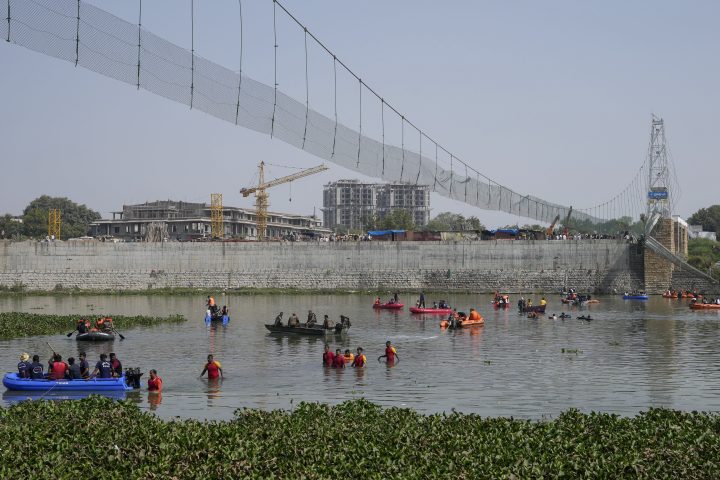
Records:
x=213, y=368
x=83, y=326
x=154, y=382
x=24, y=366
x=36, y=368
x=339, y=360
x=278, y=320
x=58, y=368
x=390, y=353
x=348, y=356
x=328, y=356
x=73, y=372
x=293, y=321
x=360, y=359
x=103, y=368
x=311, y=319
x=84, y=365
x=327, y=323
x=116, y=366
x=543, y=302
x=474, y=315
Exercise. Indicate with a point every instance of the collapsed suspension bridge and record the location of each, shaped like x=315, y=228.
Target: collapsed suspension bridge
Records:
x=90, y=37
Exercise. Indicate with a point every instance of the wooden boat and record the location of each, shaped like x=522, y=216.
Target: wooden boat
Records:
x=704, y=306
x=434, y=311
x=534, y=308
x=95, y=337
x=304, y=330
x=13, y=382
x=637, y=296
x=388, y=306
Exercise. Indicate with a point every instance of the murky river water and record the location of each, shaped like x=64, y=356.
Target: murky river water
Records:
x=633, y=355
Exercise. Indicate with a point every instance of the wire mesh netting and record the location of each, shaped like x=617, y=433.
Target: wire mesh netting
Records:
x=99, y=41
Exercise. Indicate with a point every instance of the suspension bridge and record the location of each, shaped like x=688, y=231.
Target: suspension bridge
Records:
x=94, y=39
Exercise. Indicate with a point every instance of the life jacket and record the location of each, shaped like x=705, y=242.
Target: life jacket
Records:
x=58, y=370
x=349, y=358
x=359, y=360
x=390, y=353
x=328, y=358
x=339, y=361
x=213, y=369
x=211, y=302
x=474, y=315
x=154, y=383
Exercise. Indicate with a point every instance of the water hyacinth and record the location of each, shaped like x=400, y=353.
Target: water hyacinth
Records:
x=101, y=438
x=21, y=324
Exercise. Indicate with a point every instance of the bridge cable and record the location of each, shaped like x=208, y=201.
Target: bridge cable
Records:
x=360, y=85
x=237, y=105
x=272, y=120
x=332, y=155
x=307, y=92
x=402, y=146
x=382, y=120
x=192, y=52
x=139, y=42
x=77, y=35
x=8, y=21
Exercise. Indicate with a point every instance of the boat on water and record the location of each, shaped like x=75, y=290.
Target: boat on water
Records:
x=636, y=296
x=217, y=317
x=704, y=306
x=388, y=306
x=303, y=329
x=462, y=323
x=12, y=381
x=95, y=337
x=433, y=311
x=18, y=396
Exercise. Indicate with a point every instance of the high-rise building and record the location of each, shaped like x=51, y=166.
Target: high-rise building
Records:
x=353, y=204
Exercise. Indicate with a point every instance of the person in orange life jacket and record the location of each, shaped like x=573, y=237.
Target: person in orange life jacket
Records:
x=360, y=359
x=36, y=368
x=328, y=356
x=116, y=366
x=213, y=369
x=348, y=356
x=103, y=368
x=339, y=360
x=24, y=366
x=377, y=301
x=58, y=368
x=390, y=353
x=154, y=382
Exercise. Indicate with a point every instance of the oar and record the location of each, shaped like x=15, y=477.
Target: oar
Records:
x=70, y=334
x=51, y=348
x=122, y=337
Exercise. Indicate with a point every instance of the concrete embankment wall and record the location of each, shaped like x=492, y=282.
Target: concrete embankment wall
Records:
x=511, y=266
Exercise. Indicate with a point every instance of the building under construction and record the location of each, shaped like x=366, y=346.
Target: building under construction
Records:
x=353, y=204
x=183, y=221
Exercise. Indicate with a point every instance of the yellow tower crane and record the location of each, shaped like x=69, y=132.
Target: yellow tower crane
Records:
x=261, y=196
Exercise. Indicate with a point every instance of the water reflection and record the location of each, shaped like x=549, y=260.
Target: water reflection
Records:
x=154, y=400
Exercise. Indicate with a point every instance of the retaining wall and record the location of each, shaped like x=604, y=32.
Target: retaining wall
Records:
x=513, y=266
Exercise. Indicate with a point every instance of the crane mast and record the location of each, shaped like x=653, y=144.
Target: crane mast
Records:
x=261, y=196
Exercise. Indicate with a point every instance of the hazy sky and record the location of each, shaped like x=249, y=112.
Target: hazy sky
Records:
x=549, y=98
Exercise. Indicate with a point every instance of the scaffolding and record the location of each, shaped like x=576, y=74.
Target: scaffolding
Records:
x=54, y=223
x=216, y=215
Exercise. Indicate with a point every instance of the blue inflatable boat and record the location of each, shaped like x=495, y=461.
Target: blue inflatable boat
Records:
x=635, y=297
x=13, y=382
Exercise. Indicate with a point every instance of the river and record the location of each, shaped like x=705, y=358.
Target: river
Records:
x=632, y=356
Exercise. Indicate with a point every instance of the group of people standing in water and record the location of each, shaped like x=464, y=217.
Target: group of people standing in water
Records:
x=358, y=360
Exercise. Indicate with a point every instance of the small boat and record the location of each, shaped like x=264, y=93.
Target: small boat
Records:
x=534, y=308
x=500, y=304
x=304, y=330
x=217, y=317
x=637, y=296
x=586, y=318
x=704, y=306
x=434, y=311
x=388, y=306
x=95, y=337
x=19, y=396
x=464, y=323
x=13, y=382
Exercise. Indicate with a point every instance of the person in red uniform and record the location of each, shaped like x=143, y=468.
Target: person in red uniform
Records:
x=154, y=382
x=213, y=369
x=58, y=368
x=360, y=359
x=328, y=356
x=390, y=353
x=339, y=359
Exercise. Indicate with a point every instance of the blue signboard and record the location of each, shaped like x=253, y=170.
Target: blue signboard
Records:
x=658, y=195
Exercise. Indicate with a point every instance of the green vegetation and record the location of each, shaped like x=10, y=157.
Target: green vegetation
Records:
x=34, y=221
x=394, y=220
x=105, y=439
x=21, y=324
x=453, y=222
x=709, y=218
x=704, y=254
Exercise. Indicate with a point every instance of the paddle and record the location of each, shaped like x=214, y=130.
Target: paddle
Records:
x=51, y=348
x=70, y=334
x=122, y=337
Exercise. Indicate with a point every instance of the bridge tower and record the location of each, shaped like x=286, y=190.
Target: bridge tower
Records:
x=658, y=200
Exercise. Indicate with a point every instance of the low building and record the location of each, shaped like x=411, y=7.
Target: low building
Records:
x=696, y=231
x=185, y=221
x=354, y=205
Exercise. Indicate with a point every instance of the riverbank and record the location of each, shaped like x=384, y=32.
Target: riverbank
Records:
x=21, y=324
x=355, y=439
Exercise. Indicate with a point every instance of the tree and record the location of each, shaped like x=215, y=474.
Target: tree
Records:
x=10, y=227
x=453, y=222
x=75, y=218
x=396, y=220
x=709, y=218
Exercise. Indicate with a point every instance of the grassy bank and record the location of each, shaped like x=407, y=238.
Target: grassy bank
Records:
x=100, y=438
x=21, y=324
